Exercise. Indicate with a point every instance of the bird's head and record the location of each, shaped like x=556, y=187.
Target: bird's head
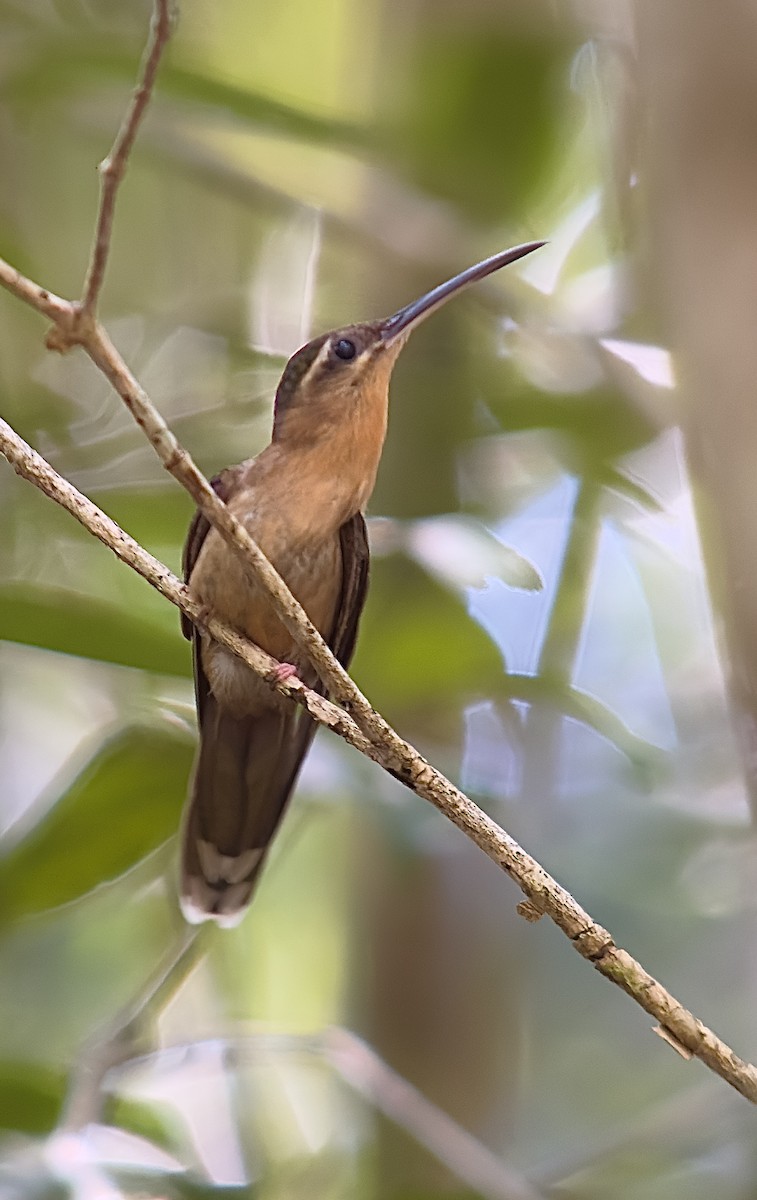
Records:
x=348, y=370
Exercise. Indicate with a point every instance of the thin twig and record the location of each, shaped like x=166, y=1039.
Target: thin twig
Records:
x=52, y=306
x=544, y=896
x=113, y=168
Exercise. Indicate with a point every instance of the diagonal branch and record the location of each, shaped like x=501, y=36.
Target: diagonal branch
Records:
x=52, y=306
x=544, y=896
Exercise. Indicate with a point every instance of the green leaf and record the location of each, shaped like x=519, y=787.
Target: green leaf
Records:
x=482, y=114
x=155, y=1123
x=73, y=623
x=146, y=1183
x=154, y=516
x=599, y=425
x=259, y=110
x=419, y=649
x=67, y=66
x=122, y=806
x=30, y=1097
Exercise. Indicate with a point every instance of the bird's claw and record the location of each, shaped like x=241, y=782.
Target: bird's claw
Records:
x=283, y=672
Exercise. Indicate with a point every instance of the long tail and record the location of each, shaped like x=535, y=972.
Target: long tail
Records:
x=244, y=773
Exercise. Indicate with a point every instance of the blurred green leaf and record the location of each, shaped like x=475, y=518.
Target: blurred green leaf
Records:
x=154, y=516
x=598, y=425
x=482, y=114
x=258, y=109
x=66, y=66
x=156, y=1123
x=163, y=1185
x=73, y=623
x=30, y=1097
x=449, y=1194
x=419, y=649
x=122, y=805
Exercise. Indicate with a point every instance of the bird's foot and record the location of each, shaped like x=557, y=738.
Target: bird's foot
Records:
x=282, y=672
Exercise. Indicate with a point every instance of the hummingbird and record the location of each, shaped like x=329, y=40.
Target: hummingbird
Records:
x=302, y=500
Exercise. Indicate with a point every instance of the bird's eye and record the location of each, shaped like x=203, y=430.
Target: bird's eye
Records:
x=345, y=349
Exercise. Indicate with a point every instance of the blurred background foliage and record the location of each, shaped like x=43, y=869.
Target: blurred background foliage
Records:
x=539, y=622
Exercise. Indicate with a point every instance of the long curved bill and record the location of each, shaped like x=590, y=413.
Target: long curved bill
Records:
x=404, y=321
